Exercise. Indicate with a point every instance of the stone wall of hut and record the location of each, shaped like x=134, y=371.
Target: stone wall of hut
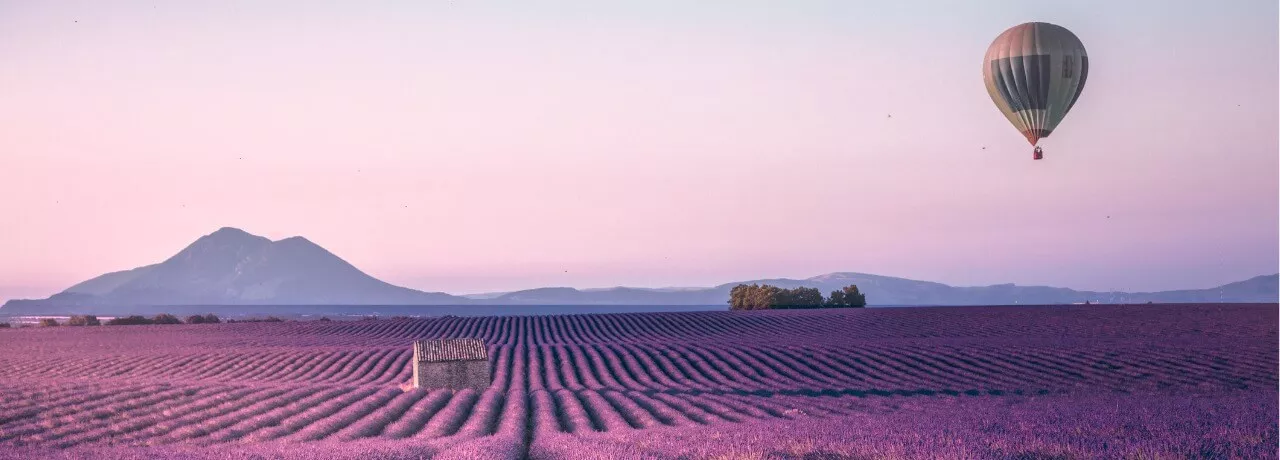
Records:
x=452, y=374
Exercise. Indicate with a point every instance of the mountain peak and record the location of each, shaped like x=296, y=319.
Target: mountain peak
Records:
x=231, y=266
x=225, y=246
x=231, y=235
x=229, y=232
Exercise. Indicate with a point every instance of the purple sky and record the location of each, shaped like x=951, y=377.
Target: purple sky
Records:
x=478, y=146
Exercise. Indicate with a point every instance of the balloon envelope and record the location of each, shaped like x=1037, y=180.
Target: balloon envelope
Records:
x=1035, y=73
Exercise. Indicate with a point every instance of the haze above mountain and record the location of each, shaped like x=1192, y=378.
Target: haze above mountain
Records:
x=233, y=267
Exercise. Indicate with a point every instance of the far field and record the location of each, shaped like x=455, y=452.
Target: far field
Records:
x=1149, y=381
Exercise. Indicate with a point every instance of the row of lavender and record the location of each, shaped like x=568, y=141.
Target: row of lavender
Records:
x=354, y=422
x=560, y=384
x=149, y=414
x=591, y=393
x=703, y=366
x=1233, y=425
x=1194, y=323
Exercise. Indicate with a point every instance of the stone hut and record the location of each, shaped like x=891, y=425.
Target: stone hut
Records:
x=451, y=363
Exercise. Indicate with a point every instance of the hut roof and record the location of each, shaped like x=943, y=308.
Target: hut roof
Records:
x=431, y=351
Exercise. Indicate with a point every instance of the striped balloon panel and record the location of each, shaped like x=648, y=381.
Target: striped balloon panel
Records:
x=1035, y=73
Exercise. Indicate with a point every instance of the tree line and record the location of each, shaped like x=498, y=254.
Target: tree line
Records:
x=767, y=297
x=163, y=318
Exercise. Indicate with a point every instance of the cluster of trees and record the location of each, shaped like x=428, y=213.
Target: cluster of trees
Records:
x=767, y=297
x=269, y=319
x=84, y=320
x=205, y=319
x=163, y=318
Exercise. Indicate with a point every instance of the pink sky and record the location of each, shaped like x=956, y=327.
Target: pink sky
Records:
x=465, y=148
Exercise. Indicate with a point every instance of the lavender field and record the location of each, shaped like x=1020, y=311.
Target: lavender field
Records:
x=1139, y=381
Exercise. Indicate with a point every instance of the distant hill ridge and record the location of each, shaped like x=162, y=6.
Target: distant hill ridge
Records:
x=886, y=290
x=232, y=267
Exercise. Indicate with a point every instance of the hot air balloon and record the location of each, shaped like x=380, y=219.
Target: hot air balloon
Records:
x=1035, y=73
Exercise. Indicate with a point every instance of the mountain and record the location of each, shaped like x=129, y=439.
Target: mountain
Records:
x=1257, y=289
x=108, y=282
x=886, y=290
x=233, y=267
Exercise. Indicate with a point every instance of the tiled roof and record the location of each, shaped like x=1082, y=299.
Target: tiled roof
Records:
x=431, y=351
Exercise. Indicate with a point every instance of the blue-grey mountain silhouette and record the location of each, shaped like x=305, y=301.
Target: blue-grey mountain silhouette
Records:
x=232, y=267
x=887, y=290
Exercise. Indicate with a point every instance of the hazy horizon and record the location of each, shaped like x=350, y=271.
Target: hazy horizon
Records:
x=469, y=148
x=41, y=294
